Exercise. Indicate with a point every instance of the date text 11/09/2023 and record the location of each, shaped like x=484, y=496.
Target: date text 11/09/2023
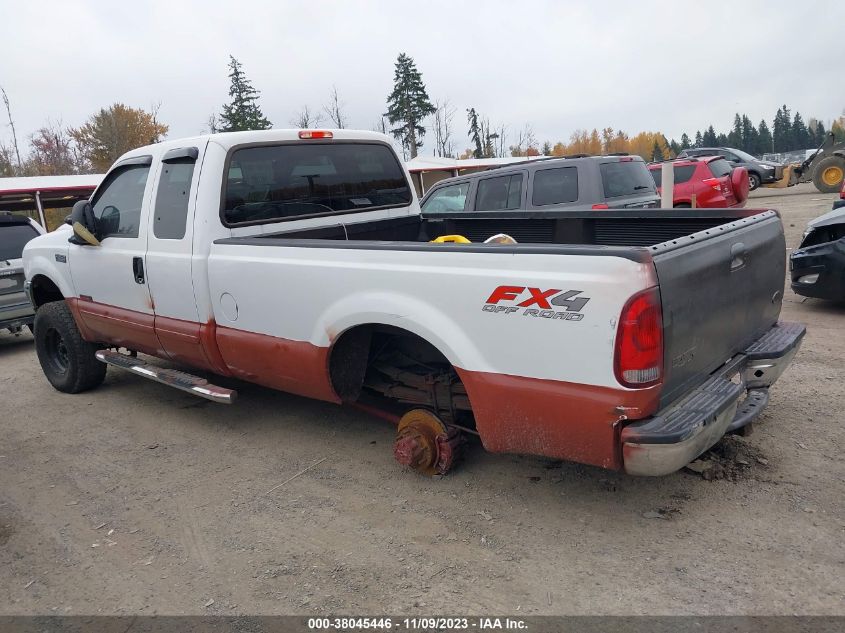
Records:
x=416, y=624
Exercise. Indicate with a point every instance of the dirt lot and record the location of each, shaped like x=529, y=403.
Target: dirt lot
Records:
x=136, y=498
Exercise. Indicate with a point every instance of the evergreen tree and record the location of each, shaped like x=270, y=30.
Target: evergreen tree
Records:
x=735, y=136
x=685, y=144
x=800, y=133
x=674, y=148
x=243, y=112
x=764, y=138
x=699, y=140
x=408, y=104
x=474, y=132
x=750, y=137
x=709, y=138
x=820, y=134
x=721, y=140
x=547, y=149
x=782, y=130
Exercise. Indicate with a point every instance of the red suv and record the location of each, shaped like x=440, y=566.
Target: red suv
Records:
x=706, y=181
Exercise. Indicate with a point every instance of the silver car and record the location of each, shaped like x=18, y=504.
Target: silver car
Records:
x=15, y=309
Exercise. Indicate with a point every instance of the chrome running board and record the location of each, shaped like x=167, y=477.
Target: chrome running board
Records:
x=170, y=377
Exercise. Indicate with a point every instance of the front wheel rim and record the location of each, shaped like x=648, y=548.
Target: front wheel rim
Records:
x=57, y=351
x=832, y=176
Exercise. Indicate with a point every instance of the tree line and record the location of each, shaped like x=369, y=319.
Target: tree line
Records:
x=410, y=114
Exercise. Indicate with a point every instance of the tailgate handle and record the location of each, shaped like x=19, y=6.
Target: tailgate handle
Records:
x=737, y=256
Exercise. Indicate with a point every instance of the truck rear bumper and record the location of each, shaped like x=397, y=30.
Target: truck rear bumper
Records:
x=682, y=431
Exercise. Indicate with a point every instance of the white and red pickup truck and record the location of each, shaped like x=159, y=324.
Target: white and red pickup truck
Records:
x=299, y=260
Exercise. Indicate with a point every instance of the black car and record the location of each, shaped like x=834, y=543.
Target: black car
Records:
x=817, y=267
x=572, y=183
x=759, y=171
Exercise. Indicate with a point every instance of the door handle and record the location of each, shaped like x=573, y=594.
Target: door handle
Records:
x=738, y=251
x=138, y=269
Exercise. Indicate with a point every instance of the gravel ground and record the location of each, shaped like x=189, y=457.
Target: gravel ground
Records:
x=138, y=499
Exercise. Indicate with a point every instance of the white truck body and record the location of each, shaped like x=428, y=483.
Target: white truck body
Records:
x=532, y=331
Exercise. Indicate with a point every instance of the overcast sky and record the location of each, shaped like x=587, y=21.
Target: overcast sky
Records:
x=669, y=66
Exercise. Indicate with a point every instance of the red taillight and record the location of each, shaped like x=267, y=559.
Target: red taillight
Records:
x=307, y=134
x=638, y=360
x=842, y=193
x=600, y=206
x=715, y=183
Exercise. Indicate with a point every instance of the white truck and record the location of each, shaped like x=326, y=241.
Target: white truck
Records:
x=299, y=260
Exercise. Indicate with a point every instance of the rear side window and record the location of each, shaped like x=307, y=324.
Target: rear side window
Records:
x=13, y=237
x=451, y=198
x=720, y=168
x=555, y=186
x=499, y=194
x=118, y=202
x=683, y=173
x=626, y=178
x=280, y=182
x=171, y=210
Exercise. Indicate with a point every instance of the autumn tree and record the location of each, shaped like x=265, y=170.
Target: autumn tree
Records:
x=243, y=112
x=8, y=167
x=306, y=118
x=114, y=131
x=53, y=153
x=408, y=105
x=334, y=109
x=442, y=118
x=14, y=147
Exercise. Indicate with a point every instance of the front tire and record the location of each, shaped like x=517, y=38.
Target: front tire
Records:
x=67, y=360
x=829, y=173
x=753, y=181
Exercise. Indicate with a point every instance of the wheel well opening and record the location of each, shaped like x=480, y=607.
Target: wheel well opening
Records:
x=44, y=291
x=397, y=370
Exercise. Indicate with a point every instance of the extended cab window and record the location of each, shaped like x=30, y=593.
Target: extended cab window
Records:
x=273, y=183
x=118, y=202
x=626, y=178
x=451, y=198
x=13, y=237
x=498, y=194
x=174, y=189
x=555, y=186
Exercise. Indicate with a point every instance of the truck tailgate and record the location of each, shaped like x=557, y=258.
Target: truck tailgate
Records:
x=720, y=289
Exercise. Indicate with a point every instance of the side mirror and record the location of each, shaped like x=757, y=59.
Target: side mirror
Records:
x=84, y=224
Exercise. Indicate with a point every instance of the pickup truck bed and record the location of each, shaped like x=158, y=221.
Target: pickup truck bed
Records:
x=302, y=263
x=720, y=275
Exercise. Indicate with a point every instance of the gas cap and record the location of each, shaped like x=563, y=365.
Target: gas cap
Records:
x=229, y=306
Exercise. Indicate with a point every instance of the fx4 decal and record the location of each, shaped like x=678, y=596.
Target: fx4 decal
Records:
x=537, y=302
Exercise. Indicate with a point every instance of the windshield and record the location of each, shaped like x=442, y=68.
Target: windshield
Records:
x=277, y=182
x=13, y=237
x=748, y=158
x=450, y=198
